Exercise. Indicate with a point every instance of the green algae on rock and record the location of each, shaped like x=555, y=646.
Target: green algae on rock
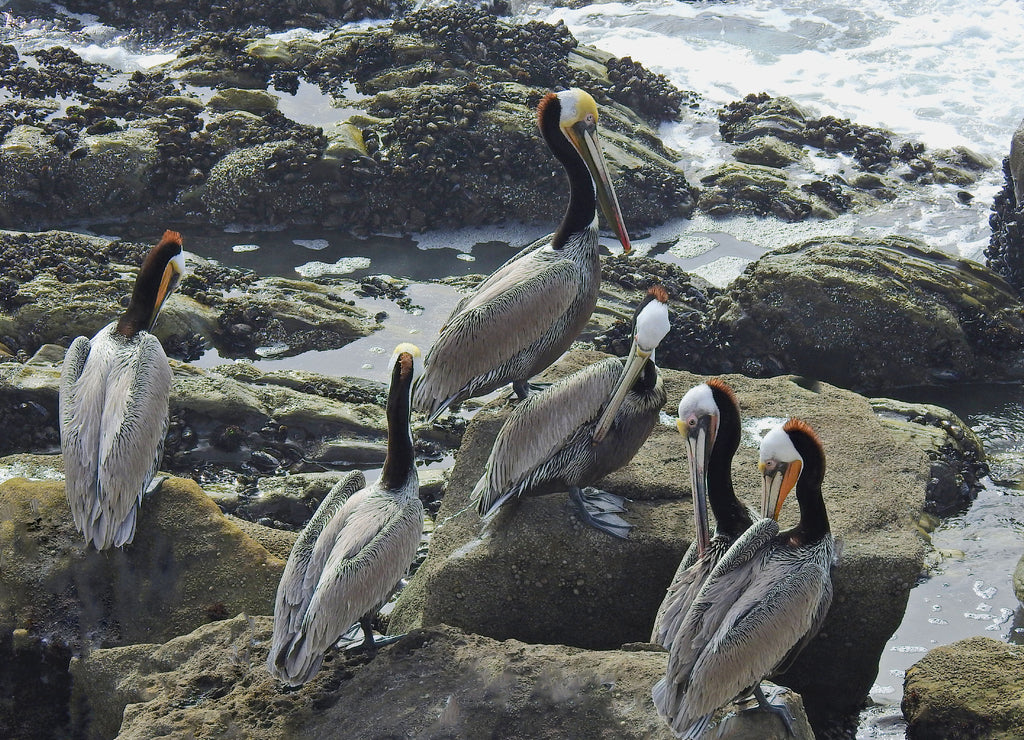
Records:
x=187, y=566
x=873, y=314
x=970, y=690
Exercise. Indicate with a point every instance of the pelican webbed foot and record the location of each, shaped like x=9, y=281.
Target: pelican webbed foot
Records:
x=601, y=510
x=781, y=710
x=369, y=643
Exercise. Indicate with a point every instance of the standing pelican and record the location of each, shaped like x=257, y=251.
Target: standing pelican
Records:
x=764, y=600
x=582, y=428
x=352, y=555
x=114, y=390
x=709, y=420
x=528, y=312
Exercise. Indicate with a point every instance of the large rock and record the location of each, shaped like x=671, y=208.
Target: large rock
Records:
x=538, y=575
x=186, y=566
x=957, y=454
x=436, y=682
x=873, y=315
x=440, y=106
x=970, y=690
x=235, y=417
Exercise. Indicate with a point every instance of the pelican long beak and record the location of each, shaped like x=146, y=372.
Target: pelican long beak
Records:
x=777, y=485
x=700, y=440
x=583, y=136
x=634, y=364
x=168, y=282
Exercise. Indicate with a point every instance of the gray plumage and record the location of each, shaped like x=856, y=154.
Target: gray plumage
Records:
x=516, y=323
x=690, y=576
x=352, y=554
x=114, y=392
x=546, y=443
x=762, y=600
x=346, y=563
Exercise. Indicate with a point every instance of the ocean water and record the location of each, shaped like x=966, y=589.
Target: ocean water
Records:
x=944, y=72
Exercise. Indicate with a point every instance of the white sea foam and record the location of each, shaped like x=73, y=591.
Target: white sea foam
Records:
x=343, y=266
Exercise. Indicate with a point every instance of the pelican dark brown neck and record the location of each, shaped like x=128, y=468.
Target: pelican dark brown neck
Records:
x=143, y=306
x=400, y=460
x=813, y=524
x=731, y=516
x=582, y=208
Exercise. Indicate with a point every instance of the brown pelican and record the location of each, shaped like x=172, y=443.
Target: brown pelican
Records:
x=709, y=420
x=114, y=390
x=528, y=312
x=355, y=550
x=576, y=431
x=764, y=600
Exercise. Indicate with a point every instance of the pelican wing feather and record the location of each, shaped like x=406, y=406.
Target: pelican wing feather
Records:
x=492, y=338
x=131, y=439
x=541, y=425
x=362, y=570
x=755, y=636
x=113, y=409
x=306, y=563
x=79, y=433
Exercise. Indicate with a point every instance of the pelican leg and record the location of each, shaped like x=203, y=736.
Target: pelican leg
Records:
x=369, y=643
x=778, y=709
x=524, y=388
x=598, y=509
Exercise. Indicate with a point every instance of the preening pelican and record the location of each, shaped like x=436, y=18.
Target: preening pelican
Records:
x=528, y=312
x=355, y=550
x=709, y=420
x=582, y=428
x=764, y=600
x=114, y=390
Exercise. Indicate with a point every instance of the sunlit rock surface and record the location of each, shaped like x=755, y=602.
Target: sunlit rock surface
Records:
x=435, y=682
x=972, y=689
x=872, y=315
x=186, y=566
x=539, y=575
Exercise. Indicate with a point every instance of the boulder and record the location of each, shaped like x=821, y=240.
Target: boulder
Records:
x=736, y=187
x=906, y=314
x=236, y=417
x=956, y=453
x=970, y=690
x=435, y=682
x=186, y=566
x=449, y=134
x=538, y=575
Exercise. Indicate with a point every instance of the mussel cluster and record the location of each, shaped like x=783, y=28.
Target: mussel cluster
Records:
x=694, y=343
x=535, y=53
x=160, y=18
x=1005, y=252
x=648, y=93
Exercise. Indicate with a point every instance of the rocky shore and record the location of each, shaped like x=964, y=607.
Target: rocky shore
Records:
x=535, y=627
x=268, y=445
x=434, y=128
